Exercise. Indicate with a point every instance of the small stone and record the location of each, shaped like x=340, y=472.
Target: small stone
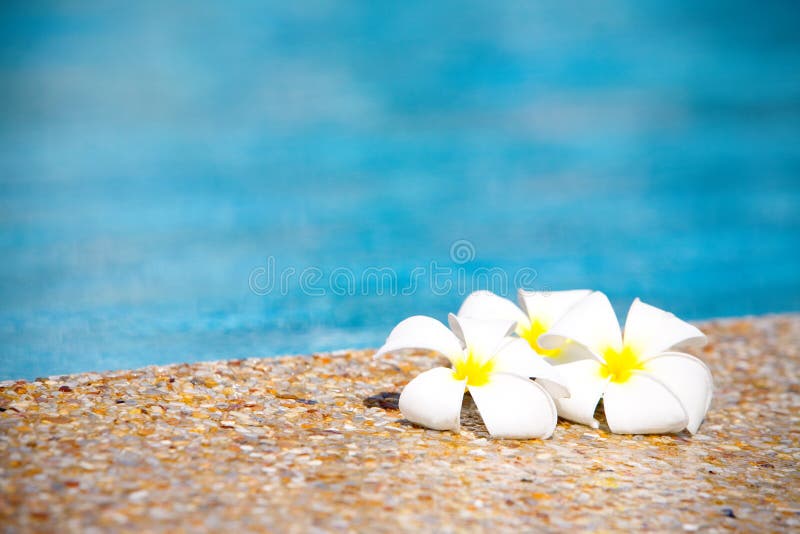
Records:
x=138, y=496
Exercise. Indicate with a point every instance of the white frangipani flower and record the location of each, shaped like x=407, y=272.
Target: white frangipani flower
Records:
x=647, y=387
x=494, y=368
x=536, y=313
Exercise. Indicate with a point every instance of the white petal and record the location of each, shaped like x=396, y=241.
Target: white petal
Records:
x=591, y=322
x=421, y=332
x=549, y=306
x=586, y=386
x=433, y=399
x=487, y=305
x=643, y=405
x=689, y=379
x=483, y=337
x=570, y=352
x=515, y=407
x=517, y=357
x=651, y=331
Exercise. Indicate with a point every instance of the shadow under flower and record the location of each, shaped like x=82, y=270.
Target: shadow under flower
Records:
x=387, y=400
x=470, y=418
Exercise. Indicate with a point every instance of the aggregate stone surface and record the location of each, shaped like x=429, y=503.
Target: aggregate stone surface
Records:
x=317, y=444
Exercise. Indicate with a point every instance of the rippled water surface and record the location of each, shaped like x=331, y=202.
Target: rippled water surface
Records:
x=154, y=156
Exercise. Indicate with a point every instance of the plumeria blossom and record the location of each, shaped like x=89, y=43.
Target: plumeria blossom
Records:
x=647, y=387
x=493, y=367
x=536, y=313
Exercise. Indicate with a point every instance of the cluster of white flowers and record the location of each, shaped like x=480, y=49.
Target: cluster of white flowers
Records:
x=571, y=345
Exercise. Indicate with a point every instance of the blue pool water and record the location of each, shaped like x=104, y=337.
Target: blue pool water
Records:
x=159, y=159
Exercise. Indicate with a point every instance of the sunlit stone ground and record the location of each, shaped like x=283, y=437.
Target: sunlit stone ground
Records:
x=317, y=443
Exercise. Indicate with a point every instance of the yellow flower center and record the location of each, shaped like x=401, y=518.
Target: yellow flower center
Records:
x=475, y=370
x=531, y=335
x=620, y=364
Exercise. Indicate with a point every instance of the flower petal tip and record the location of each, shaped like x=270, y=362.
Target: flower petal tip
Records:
x=693, y=428
x=522, y=435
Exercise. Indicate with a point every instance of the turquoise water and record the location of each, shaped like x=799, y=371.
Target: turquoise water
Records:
x=156, y=158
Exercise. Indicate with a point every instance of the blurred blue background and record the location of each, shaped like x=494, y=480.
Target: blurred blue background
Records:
x=153, y=154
